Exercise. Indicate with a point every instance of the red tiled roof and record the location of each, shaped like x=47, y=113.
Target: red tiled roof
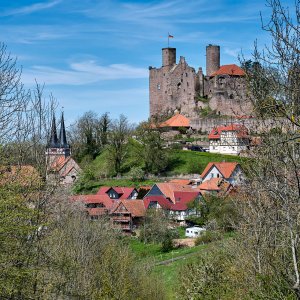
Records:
x=124, y=192
x=25, y=175
x=225, y=168
x=104, y=199
x=103, y=190
x=212, y=184
x=176, y=121
x=161, y=200
x=183, y=198
x=230, y=70
x=135, y=207
x=59, y=162
x=181, y=181
x=241, y=130
x=168, y=189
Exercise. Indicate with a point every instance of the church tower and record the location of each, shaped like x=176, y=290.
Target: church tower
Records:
x=57, y=147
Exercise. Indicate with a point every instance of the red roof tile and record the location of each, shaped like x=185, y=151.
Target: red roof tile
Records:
x=183, y=198
x=241, y=130
x=135, y=207
x=103, y=190
x=104, y=199
x=225, y=168
x=181, y=181
x=124, y=192
x=176, y=121
x=59, y=162
x=161, y=200
x=230, y=70
x=168, y=189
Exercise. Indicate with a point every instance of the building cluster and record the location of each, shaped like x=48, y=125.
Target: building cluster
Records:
x=126, y=208
x=225, y=139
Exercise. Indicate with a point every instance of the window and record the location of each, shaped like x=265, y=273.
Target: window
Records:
x=158, y=86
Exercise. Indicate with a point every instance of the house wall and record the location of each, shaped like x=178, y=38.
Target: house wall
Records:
x=112, y=194
x=155, y=191
x=213, y=173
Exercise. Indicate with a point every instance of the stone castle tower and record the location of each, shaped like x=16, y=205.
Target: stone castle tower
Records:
x=57, y=146
x=178, y=87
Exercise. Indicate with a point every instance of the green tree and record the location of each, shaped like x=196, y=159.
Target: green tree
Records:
x=149, y=149
x=117, y=142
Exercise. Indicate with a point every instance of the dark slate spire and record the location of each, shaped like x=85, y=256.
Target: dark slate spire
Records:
x=62, y=134
x=53, y=143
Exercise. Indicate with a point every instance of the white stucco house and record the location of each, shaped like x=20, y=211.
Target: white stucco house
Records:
x=230, y=171
x=231, y=139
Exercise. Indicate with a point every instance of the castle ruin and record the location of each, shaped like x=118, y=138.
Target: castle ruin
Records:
x=179, y=88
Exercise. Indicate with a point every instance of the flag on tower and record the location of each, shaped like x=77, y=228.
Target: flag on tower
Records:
x=171, y=36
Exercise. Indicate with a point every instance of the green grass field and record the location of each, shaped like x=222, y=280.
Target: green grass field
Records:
x=187, y=162
x=180, y=162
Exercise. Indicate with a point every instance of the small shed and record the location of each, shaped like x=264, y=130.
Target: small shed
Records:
x=194, y=231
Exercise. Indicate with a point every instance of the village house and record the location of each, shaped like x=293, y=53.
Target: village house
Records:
x=61, y=167
x=95, y=205
x=128, y=214
x=118, y=192
x=230, y=171
x=177, y=197
x=231, y=139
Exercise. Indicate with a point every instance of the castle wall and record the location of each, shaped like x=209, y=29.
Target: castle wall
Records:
x=178, y=87
x=253, y=124
x=173, y=89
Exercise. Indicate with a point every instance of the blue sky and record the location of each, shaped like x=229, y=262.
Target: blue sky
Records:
x=94, y=54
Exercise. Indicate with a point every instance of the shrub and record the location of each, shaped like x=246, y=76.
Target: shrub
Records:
x=208, y=237
x=136, y=174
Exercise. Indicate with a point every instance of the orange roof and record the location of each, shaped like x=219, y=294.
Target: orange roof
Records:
x=168, y=189
x=230, y=70
x=59, y=162
x=225, y=168
x=215, y=184
x=176, y=121
x=180, y=181
x=25, y=175
x=135, y=207
x=241, y=130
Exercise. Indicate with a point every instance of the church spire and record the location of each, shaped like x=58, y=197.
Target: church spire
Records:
x=53, y=143
x=62, y=134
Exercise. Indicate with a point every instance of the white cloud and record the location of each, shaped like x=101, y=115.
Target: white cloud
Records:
x=232, y=52
x=81, y=73
x=30, y=8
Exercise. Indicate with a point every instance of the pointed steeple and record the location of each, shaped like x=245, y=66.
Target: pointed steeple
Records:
x=53, y=143
x=62, y=134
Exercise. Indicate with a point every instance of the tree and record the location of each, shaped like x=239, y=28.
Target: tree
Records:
x=268, y=227
x=117, y=142
x=89, y=135
x=149, y=149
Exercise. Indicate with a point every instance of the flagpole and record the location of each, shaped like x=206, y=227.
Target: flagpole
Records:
x=168, y=39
